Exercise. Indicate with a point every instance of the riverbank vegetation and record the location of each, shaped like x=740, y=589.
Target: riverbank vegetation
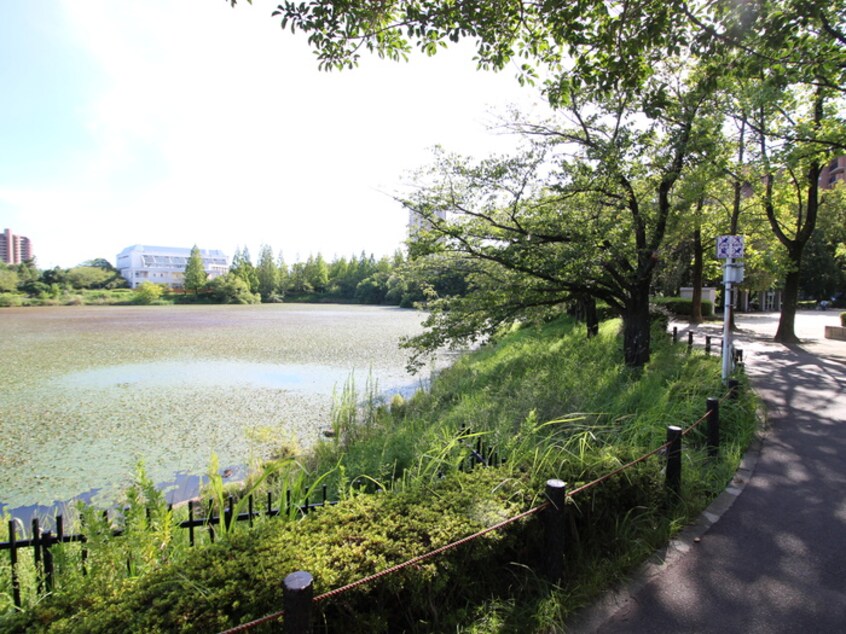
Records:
x=544, y=399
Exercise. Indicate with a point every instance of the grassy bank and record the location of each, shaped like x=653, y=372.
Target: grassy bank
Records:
x=551, y=403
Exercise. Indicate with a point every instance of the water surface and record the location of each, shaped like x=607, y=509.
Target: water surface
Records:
x=87, y=392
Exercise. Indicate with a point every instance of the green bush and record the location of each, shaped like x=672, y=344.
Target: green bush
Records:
x=148, y=292
x=683, y=307
x=11, y=300
x=843, y=319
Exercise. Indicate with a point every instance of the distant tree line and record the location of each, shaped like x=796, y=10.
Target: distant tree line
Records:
x=90, y=275
x=362, y=279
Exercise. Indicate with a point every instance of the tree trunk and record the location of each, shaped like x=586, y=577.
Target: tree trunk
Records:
x=696, y=302
x=636, y=327
x=786, y=332
x=591, y=316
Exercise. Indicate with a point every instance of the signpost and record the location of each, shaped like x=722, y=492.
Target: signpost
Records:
x=729, y=248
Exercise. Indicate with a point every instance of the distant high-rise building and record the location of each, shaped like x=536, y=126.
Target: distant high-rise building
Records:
x=14, y=249
x=834, y=172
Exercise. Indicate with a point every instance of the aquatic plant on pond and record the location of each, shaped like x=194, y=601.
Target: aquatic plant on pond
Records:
x=91, y=390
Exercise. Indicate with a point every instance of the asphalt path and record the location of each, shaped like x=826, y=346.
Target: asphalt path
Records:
x=770, y=555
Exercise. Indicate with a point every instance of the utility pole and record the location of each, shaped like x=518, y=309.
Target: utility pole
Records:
x=729, y=248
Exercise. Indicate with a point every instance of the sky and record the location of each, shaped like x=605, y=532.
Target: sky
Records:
x=192, y=122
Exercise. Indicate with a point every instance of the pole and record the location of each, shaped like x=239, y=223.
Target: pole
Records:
x=727, y=319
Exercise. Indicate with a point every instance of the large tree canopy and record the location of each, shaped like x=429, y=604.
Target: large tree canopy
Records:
x=649, y=86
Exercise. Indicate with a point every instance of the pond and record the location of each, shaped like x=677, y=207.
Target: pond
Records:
x=87, y=392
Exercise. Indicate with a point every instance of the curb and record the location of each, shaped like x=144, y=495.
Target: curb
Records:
x=590, y=619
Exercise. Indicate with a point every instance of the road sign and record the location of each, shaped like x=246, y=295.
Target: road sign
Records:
x=729, y=247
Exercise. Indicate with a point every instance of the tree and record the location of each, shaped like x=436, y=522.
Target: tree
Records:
x=232, y=289
x=582, y=214
x=316, y=273
x=88, y=277
x=242, y=266
x=195, y=272
x=8, y=280
x=267, y=273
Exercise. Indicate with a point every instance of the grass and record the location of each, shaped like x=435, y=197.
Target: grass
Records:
x=552, y=403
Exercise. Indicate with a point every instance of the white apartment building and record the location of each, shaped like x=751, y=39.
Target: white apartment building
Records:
x=166, y=265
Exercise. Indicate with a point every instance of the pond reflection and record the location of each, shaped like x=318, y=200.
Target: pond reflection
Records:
x=210, y=373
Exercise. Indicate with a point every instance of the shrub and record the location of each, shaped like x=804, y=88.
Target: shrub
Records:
x=843, y=319
x=683, y=306
x=10, y=300
x=148, y=293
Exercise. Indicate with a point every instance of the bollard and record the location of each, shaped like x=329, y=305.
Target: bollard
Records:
x=296, y=602
x=689, y=340
x=47, y=557
x=734, y=389
x=36, y=553
x=674, y=460
x=13, y=561
x=675, y=334
x=712, y=406
x=554, y=522
x=707, y=344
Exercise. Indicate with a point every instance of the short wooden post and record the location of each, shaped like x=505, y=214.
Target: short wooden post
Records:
x=13, y=560
x=675, y=334
x=36, y=554
x=47, y=557
x=712, y=407
x=191, y=522
x=227, y=519
x=296, y=602
x=707, y=344
x=555, y=525
x=689, y=340
x=734, y=389
x=674, y=459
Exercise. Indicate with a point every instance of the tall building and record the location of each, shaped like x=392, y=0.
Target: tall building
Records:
x=833, y=172
x=14, y=249
x=166, y=265
x=416, y=222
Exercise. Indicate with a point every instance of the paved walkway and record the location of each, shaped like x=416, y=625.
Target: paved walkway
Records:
x=771, y=555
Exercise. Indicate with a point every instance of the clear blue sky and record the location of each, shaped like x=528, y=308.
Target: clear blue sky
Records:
x=181, y=123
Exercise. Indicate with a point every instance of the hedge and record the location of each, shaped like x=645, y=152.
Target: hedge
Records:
x=683, y=306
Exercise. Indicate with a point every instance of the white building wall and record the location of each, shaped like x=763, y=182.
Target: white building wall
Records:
x=166, y=265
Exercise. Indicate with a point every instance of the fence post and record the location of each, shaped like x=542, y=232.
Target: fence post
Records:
x=554, y=520
x=675, y=334
x=689, y=340
x=707, y=344
x=674, y=459
x=712, y=406
x=734, y=389
x=227, y=518
x=13, y=560
x=36, y=554
x=296, y=602
x=47, y=556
